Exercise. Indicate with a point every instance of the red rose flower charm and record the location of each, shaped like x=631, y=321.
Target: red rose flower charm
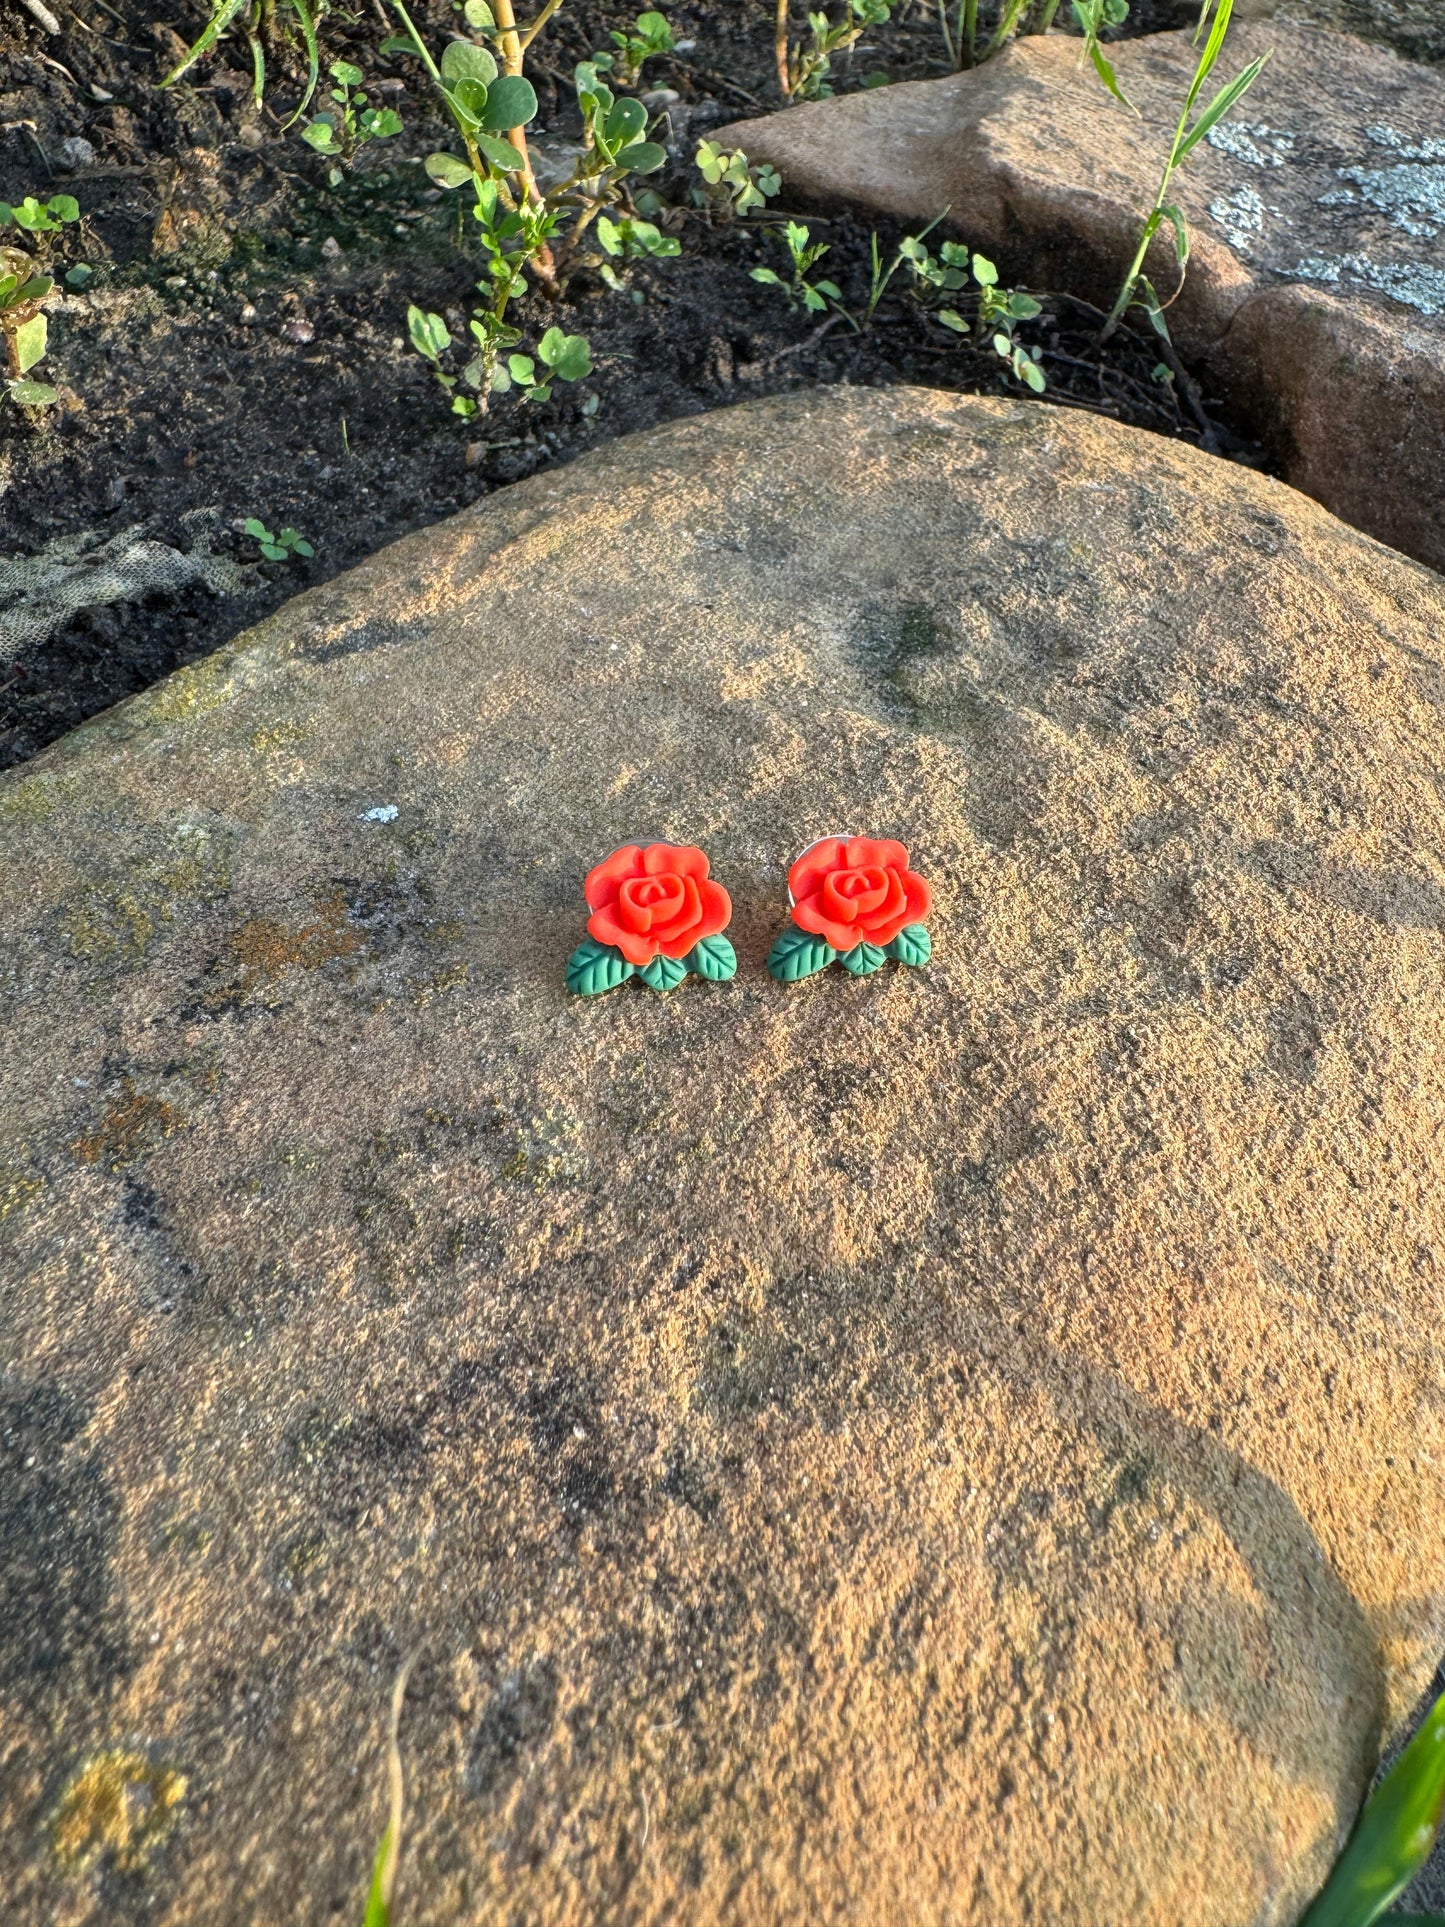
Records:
x=855, y=902
x=656, y=914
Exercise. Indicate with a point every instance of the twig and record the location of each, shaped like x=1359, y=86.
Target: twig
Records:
x=42, y=13
x=1189, y=388
x=721, y=80
x=799, y=347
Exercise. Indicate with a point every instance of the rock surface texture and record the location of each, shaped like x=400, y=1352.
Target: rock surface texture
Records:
x=1414, y=28
x=1316, y=292
x=959, y=1446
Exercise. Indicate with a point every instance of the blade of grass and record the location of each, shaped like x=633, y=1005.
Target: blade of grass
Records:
x=383, y=1872
x=313, y=58
x=1221, y=104
x=1393, y=1835
x=215, y=27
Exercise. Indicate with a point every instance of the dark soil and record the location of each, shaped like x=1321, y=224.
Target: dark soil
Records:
x=241, y=346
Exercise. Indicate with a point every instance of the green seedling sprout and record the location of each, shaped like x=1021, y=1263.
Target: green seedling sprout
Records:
x=813, y=296
x=803, y=70
x=350, y=123
x=521, y=230
x=733, y=185
x=1187, y=135
x=283, y=547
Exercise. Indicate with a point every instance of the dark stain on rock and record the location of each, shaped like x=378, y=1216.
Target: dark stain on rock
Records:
x=62, y=1631
x=516, y=1718
x=890, y=644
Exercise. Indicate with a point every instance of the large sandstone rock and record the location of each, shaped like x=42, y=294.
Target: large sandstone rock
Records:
x=1316, y=293
x=1414, y=28
x=962, y=1446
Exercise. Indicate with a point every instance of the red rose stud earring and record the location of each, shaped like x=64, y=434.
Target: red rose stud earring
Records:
x=855, y=902
x=656, y=914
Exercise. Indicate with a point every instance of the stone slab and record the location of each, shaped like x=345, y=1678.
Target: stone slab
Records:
x=959, y=1446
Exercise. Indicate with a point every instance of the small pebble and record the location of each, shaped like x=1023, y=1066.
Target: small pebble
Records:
x=248, y=314
x=331, y=247
x=75, y=153
x=299, y=330
x=383, y=813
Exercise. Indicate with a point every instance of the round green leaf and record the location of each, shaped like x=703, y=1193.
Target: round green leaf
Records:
x=715, y=959
x=429, y=333
x=469, y=100
x=511, y=102
x=568, y=356
x=663, y=973
x=447, y=171
x=626, y=123
x=499, y=152
x=479, y=15
x=912, y=945
x=465, y=60
x=798, y=953
x=596, y=967
x=29, y=340
x=643, y=157
x=33, y=394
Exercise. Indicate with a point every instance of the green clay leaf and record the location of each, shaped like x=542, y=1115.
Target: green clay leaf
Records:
x=663, y=973
x=863, y=959
x=715, y=959
x=912, y=945
x=594, y=967
x=798, y=953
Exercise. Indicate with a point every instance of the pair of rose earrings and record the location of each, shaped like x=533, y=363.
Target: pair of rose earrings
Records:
x=657, y=914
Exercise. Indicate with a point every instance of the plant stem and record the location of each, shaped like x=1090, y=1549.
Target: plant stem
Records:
x=529, y=34
x=968, y=32
x=780, y=48
x=947, y=35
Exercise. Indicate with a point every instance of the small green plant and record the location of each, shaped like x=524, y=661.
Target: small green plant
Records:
x=629, y=239
x=733, y=185
x=351, y=122
x=40, y=217
x=1093, y=16
x=565, y=358
x=803, y=70
x=1137, y=287
x=804, y=254
x=999, y=312
x=1392, y=1837
x=23, y=325
x=649, y=37
x=516, y=223
x=278, y=548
